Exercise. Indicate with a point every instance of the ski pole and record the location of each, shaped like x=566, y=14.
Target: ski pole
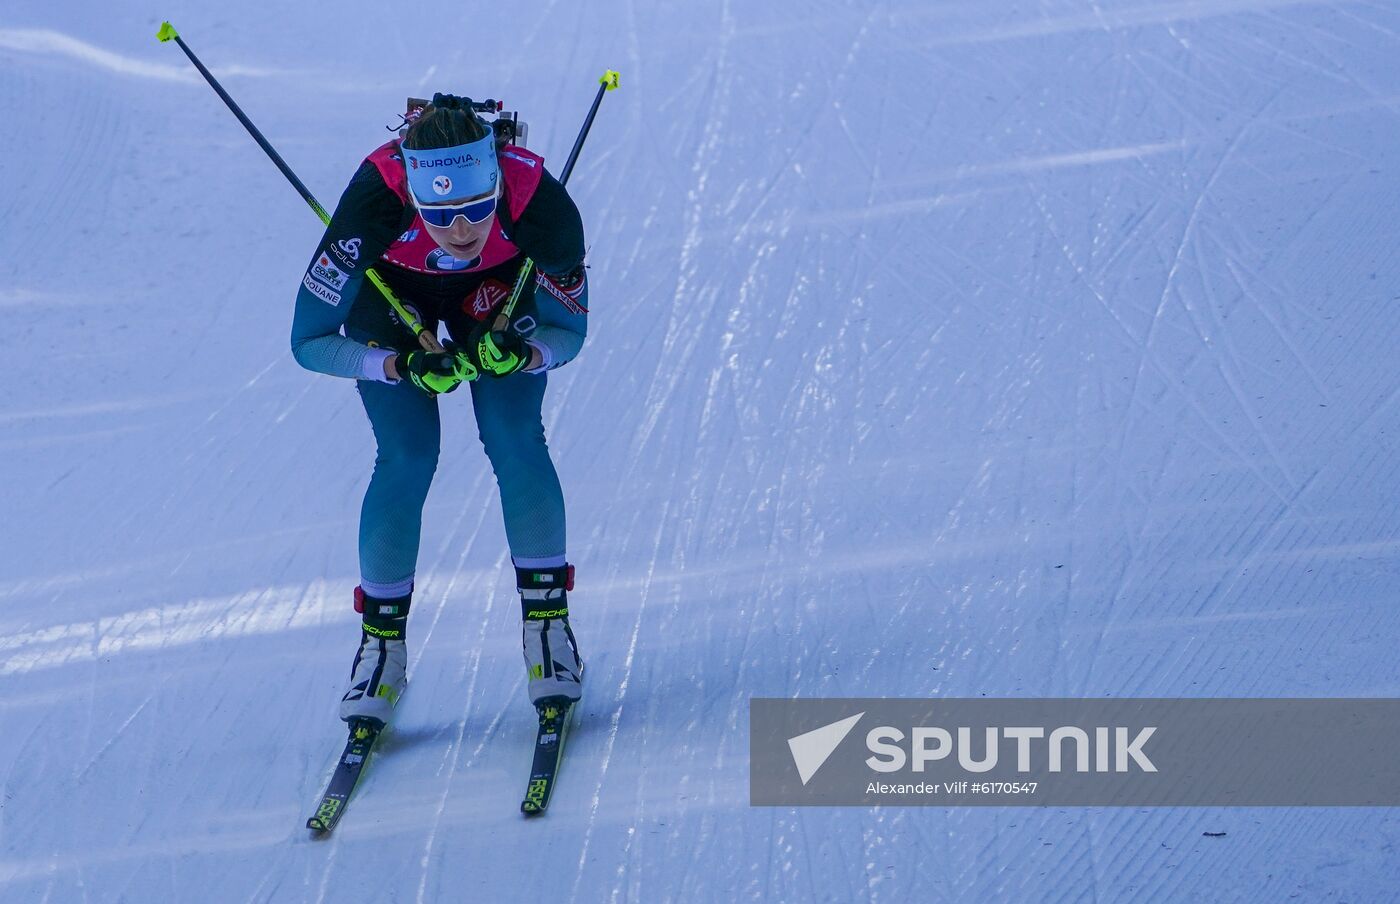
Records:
x=426, y=338
x=608, y=82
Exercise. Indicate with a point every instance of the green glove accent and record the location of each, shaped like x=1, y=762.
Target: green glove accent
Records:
x=436, y=372
x=501, y=353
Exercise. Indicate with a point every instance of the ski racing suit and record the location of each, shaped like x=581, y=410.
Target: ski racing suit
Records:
x=345, y=328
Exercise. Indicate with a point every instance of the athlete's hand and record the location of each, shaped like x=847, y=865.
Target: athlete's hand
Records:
x=435, y=372
x=499, y=352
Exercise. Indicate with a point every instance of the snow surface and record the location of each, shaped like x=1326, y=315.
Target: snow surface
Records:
x=939, y=348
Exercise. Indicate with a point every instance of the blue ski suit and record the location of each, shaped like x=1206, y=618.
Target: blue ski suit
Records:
x=345, y=328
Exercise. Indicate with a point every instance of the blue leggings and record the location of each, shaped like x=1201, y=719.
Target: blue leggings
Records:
x=408, y=433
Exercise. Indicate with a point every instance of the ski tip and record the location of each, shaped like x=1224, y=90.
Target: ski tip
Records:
x=316, y=825
x=530, y=808
x=167, y=32
x=610, y=79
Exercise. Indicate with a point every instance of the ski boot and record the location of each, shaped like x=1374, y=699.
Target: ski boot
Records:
x=551, y=653
x=377, y=676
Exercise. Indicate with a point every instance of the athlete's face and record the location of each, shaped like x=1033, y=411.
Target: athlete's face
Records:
x=462, y=239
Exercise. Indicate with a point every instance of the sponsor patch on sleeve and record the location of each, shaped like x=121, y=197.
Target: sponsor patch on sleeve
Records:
x=325, y=293
x=346, y=251
x=326, y=271
x=569, y=298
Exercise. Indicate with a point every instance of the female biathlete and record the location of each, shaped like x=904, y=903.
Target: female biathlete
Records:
x=446, y=215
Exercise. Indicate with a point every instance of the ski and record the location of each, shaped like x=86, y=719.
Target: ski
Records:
x=549, y=751
x=363, y=734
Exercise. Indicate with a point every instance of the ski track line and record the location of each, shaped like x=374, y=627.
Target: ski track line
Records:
x=1168, y=283
x=709, y=419
x=1083, y=280
x=1347, y=72
x=808, y=132
x=613, y=728
x=1170, y=280
x=115, y=735
x=1341, y=10
x=1284, y=336
x=208, y=463
x=1229, y=377
x=705, y=154
x=1226, y=586
x=453, y=754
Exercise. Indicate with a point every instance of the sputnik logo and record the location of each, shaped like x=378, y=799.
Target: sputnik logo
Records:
x=811, y=750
